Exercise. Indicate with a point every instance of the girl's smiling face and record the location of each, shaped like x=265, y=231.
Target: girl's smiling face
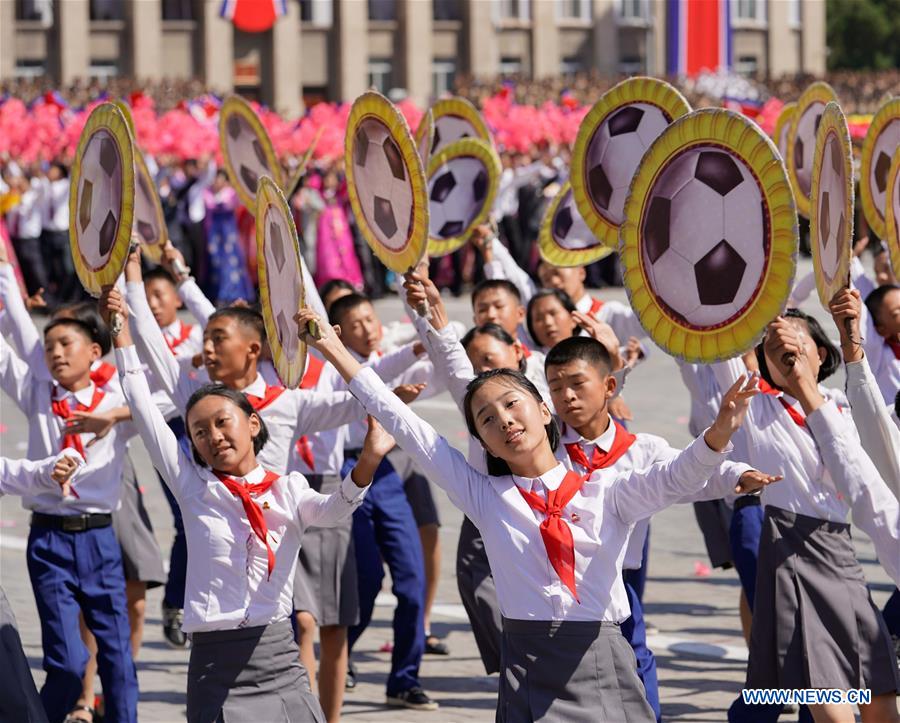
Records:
x=550, y=321
x=510, y=422
x=222, y=434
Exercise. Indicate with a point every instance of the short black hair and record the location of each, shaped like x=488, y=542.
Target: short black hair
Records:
x=84, y=329
x=333, y=284
x=832, y=355
x=248, y=318
x=235, y=397
x=494, y=330
x=497, y=467
x=160, y=273
x=582, y=348
x=87, y=313
x=875, y=299
x=343, y=306
x=561, y=296
x=492, y=285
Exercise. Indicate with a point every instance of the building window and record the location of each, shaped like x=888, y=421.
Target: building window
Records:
x=443, y=75
x=382, y=10
x=631, y=64
x=747, y=65
x=447, y=9
x=571, y=66
x=37, y=10
x=103, y=69
x=380, y=75
x=752, y=10
x=510, y=66
x=107, y=10
x=573, y=9
x=794, y=13
x=30, y=68
x=512, y=9
x=317, y=12
x=177, y=10
x=634, y=10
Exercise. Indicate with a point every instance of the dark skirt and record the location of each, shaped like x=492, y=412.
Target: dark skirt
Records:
x=325, y=583
x=814, y=622
x=569, y=672
x=249, y=675
x=19, y=699
x=478, y=594
x=141, y=555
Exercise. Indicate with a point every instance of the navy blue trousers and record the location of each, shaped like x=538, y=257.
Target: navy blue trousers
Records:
x=638, y=578
x=384, y=529
x=82, y=571
x=173, y=597
x=891, y=613
x=635, y=633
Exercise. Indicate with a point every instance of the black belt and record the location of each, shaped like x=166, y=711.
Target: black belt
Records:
x=746, y=501
x=72, y=523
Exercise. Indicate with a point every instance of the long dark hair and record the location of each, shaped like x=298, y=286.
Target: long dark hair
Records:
x=235, y=397
x=497, y=467
x=561, y=296
x=832, y=355
x=493, y=330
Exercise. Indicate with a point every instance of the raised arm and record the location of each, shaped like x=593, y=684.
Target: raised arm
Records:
x=25, y=476
x=16, y=378
x=25, y=338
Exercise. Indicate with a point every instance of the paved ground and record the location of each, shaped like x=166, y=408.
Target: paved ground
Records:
x=699, y=648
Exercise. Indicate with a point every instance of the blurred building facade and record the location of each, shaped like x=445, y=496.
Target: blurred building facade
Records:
x=335, y=49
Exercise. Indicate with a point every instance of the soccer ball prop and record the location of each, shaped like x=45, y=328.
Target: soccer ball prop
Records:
x=247, y=149
x=453, y=119
x=565, y=239
x=881, y=142
x=425, y=137
x=462, y=185
x=892, y=213
x=386, y=182
x=802, y=140
x=709, y=240
x=782, y=130
x=831, y=220
x=611, y=141
x=101, y=198
x=280, y=281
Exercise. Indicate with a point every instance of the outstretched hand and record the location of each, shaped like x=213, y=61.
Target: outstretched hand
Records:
x=377, y=442
x=735, y=403
x=753, y=480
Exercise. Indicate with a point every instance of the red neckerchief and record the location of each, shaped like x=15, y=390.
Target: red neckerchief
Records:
x=62, y=410
x=526, y=352
x=260, y=403
x=102, y=374
x=314, y=367
x=767, y=388
x=555, y=531
x=254, y=513
x=894, y=344
x=599, y=459
x=596, y=305
x=174, y=342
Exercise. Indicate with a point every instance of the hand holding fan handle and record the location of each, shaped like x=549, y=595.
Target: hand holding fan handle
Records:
x=422, y=309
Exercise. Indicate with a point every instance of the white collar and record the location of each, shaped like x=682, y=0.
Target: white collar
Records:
x=257, y=387
x=82, y=396
x=585, y=303
x=551, y=479
x=174, y=329
x=605, y=440
x=253, y=477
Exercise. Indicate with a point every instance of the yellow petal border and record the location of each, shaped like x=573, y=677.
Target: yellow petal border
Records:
x=891, y=222
x=889, y=111
x=425, y=136
x=487, y=156
x=371, y=104
x=833, y=123
x=552, y=252
x=294, y=182
x=269, y=196
x=638, y=89
x=818, y=92
x=462, y=108
x=785, y=118
x=109, y=118
x=744, y=139
x=232, y=105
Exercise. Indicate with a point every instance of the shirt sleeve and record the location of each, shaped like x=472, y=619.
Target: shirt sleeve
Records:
x=318, y=411
x=504, y=266
x=16, y=378
x=161, y=443
x=469, y=490
x=195, y=300
x=316, y=509
x=24, y=476
x=873, y=505
x=645, y=492
x=23, y=333
x=394, y=363
x=451, y=363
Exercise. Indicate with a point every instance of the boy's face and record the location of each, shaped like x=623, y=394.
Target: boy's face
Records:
x=163, y=300
x=498, y=306
x=570, y=280
x=580, y=392
x=361, y=329
x=229, y=350
x=334, y=295
x=69, y=354
x=888, y=322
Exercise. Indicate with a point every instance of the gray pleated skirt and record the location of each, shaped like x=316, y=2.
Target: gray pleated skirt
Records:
x=325, y=583
x=249, y=675
x=569, y=672
x=141, y=555
x=814, y=622
x=478, y=594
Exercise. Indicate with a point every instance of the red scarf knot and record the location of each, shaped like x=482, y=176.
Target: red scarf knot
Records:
x=600, y=459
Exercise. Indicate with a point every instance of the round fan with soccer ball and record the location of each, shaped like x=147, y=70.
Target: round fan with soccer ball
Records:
x=610, y=143
x=881, y=141
x=709, y=241
x=101, y=199
x=453, y=119
x=802, y=141
x=781, y=132
x=892, y=214
x=564, y=238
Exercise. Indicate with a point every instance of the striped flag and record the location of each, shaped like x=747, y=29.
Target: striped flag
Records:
x=253, y=16
x=698, y=36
